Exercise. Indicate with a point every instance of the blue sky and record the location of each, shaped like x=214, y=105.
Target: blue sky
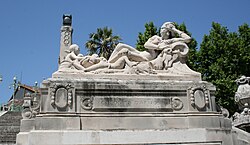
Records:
x=30, y=30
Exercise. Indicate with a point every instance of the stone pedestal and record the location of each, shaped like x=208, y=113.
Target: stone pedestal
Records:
x=118, y=110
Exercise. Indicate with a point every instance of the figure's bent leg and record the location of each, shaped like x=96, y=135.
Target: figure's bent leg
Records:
x=136, y=57
x=118, y=55
x=130, y=63
x=121, y=62
x=78, y=66
x=118, y=48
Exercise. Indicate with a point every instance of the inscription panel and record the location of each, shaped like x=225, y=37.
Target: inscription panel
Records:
x=139, y=103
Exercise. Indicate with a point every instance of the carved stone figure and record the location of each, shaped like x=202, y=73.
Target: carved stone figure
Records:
x=31, y=105
x=162, y=52
x=72, y=56
x=242, y=98
x=75, y=60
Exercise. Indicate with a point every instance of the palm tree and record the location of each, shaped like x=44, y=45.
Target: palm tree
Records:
x=102, y=42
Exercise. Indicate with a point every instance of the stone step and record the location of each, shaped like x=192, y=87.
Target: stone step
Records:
x=7, y=139
x=8, y=134
x=9, y=127
x=10, y=118
x=10, y=123
x=10, y=138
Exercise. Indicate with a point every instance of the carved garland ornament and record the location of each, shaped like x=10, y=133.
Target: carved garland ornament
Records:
x=61, y=95
x=199, y=96
x=66, y=38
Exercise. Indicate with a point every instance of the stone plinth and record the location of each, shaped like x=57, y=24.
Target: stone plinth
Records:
x=132, y=137
x=96, y=110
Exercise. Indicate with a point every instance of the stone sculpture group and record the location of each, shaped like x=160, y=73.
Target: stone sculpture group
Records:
x=93, y=100
x=162, y=52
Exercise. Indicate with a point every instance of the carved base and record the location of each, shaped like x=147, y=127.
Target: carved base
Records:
x=103, y=95
x=179, y=72
x=73, y=109
x=200, y=136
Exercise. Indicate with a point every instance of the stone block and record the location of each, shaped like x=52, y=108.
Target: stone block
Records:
x=123, y=137
x=57, y=123
x=137, y=121
x=27, y=125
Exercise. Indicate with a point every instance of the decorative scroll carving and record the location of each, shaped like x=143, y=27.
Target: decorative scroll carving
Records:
x=87, y=103
x=31, y=105
x=61, y=95
x=27, y=113
x=199, y=97
x=177, y=104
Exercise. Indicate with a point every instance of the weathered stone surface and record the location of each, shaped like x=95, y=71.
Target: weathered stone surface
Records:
x=242, y=98
x=199, y=136
x=115, y=95
x=61, y=98
x=160, y=76
x=133, y=98
x=124, y=104
x=104, y=106
x=166, y=54
x=9, y=127
x=66, y=37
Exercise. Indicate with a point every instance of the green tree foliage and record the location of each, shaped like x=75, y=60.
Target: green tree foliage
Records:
x=223, y=57
x=150, y=30
x=102, y=42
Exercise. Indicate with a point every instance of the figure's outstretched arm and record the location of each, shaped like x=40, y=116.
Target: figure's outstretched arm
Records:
x=121, y=62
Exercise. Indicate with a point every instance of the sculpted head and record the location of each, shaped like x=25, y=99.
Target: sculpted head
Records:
x=74, y=48
x=166, y=30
